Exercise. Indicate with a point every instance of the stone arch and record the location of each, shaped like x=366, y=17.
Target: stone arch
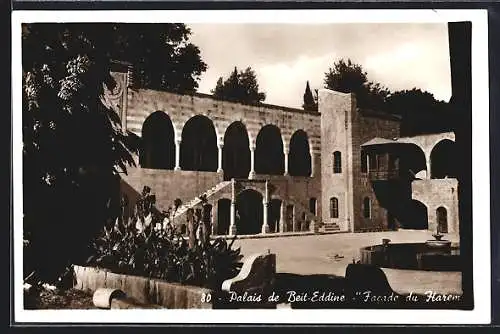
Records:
x=269, y=157
x=199, y=145
x=249, y=212
x=412, y=162
x=236, y=152
x=442, y=219
x=443, y=159
x=223, y=216
x=299, y=156
x=157, y=149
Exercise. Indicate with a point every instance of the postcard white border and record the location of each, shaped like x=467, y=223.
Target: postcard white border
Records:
x=480, y=168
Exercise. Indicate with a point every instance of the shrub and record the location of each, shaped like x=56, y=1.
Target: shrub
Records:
x=138, y=246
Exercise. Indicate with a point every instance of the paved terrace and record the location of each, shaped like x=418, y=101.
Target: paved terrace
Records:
x=316, y=254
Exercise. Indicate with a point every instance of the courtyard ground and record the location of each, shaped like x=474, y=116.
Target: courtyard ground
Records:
x=329, y=254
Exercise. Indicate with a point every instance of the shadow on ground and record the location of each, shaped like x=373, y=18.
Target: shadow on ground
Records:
x=364, y=286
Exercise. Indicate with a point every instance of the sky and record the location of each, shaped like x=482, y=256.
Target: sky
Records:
x=285, y=56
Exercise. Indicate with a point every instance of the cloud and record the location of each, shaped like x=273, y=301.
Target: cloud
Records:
x=285, y=56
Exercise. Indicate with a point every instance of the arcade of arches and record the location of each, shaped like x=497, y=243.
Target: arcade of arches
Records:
x=198, y=149
x=253, y=212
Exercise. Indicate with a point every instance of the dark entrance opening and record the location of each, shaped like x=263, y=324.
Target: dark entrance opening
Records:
x=299, y=157
x=274, y=215
x=289, y=217
x=312, y=205
x=223, y=216
x=249, y=212
x=269, y=157
x=416, y=216
x=236, y=152
x=157, y=143
x=199, y=145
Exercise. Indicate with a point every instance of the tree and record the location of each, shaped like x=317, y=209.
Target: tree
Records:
x=420, y=112
x=163, y=57
x=240, y=87
x=349, y=77
x=310, y=103
x=73, y=144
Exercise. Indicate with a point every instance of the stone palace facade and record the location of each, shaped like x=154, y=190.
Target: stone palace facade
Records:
x=272, y=169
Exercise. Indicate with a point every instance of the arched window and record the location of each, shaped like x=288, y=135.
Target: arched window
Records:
x=337, y=162
x=442, y=220
x=334, y=207
x=367, y=207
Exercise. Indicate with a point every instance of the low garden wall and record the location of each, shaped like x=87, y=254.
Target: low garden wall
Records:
x=146, y=290
x=256, y=277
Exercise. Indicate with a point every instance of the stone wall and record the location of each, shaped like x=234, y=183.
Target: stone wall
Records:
x=140, y=103
x=168, y=185
x=336, y=135
x=435, y=193
x=366, y=126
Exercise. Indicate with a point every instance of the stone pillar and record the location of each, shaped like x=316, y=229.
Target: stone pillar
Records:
x=285, y=153
x=294, y=220
x=265, y=225
x=177, y=154
x=313, y=161
x=219, y=166
x=265, y=207
x=232, y=224
x=213, y=221
x=282, y=223
x=252, y=161
x=368, y=163
x=428, y=165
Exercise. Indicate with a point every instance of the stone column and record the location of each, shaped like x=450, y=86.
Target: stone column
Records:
x=368, y=163
x=294, y=220
x=282, y=222
x=265, y=207
x=265, y=225
x=213, y=222
x=177, y=154
x=252, y=161
x=428, y=165
x=219, y=166
x=232, y=224
x=313, y=161
x=285, y=153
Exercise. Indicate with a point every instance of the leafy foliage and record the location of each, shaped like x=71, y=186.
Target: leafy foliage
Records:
x=69, y=176
x=162, y=55
x=420, y=111
x=161, y=252
x=240, y=86
x=349, y=77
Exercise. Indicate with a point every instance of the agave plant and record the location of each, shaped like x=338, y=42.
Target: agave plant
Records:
x=163, y=253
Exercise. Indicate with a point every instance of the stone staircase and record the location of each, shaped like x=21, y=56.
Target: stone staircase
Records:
x=329, y=228
x=196, y=201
